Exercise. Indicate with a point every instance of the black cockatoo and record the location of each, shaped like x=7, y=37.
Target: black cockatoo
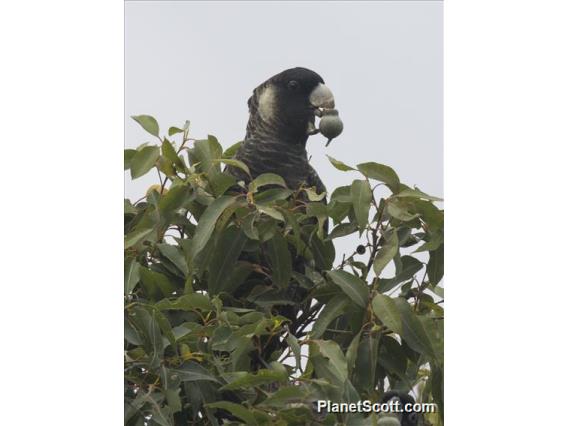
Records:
x=282, y=117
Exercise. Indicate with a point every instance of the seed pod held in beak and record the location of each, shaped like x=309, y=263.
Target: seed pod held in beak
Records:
x=330, y=124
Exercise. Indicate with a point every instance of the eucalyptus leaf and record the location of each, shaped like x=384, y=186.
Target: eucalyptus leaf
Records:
x=143, y=161
x=280, y=260
x=207, y=223
x=174, y=130
x=386, y=253
x=128, y=156
x=266, y=179
x=237, y=410
x=339, y=165
x=136, y=236
x=385, y=309
x=361, y=195
x=335, y=307
x=230, y=243
x=416, y=193
x=234, y=163
x=170, y=153
x=381, y=173
x=131, y=274
x=435, y=267
x=148, y=123
x=351, y=285
x=413, y=331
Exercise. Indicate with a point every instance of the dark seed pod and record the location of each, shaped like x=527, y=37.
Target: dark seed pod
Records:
x=330, y=124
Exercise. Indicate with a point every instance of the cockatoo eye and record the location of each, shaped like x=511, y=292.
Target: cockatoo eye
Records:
x=293, y=84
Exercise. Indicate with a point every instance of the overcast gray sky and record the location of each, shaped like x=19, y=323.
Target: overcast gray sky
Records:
x=382, y=60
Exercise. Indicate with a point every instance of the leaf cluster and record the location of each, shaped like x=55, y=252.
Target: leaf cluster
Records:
x=237, y=310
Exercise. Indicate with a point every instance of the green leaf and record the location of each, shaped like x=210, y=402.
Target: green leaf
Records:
x=437, y=379
x=319, y=211
x=385, y=309
x=187, y=302
x=280, y=260
x=342, y=230
x=386, y=253
x=431, y=214
x=174, y=255
x=381, y=173
x=207, y=222
x=227, y=250
x=204, y=151
x=161, y=415
x=237, y=410
x=313, y=195
x=232, y=150
x=361, y=198
x=333, y=366
x=268, y=196
x=392, y=357
x=131, y=274
x=323, y=252
x=164, y=324
x=174, y=130
x=148, y=328
x=352, y=286
x=365, y=367
x=173, y=200
x=135, y=237
x=248, y=226
x=435, y=331
x=191, y=371
x=266, y=179
x=400, y=210
x=129, y=208
x=413, y=331
x=143, y=161
x=272, y=212
x=435, y=267
x=235, y=163
x=261, y=377
x=169, y=152
x=416, y=193
x=285, y=395
x=436, y=240
x=351, y=354
x=128, y=156
x=339, y=165
x=166, y=167
x=342, y=194
x=220, y=182
x=335, y=307
x=295, y=347
x=155, y=284
x=408, y=267
x=148, y=123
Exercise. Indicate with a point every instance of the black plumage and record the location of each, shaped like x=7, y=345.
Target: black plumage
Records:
x=282, y=113
x=282, y=116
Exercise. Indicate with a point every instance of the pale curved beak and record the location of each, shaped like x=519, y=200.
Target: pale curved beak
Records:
x=321, y=97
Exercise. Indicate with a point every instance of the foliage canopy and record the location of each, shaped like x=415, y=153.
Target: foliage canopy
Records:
x=237, y=310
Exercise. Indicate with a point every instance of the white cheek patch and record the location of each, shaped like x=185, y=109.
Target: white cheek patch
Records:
x=267, y=104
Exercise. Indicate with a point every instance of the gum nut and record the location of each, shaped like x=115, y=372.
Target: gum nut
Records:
x=388, y=421
x=156, y=187
x=331, y=126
